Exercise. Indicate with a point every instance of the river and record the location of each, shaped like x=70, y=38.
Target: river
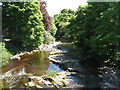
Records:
x=65, y=57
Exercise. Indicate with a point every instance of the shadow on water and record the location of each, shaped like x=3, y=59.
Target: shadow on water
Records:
x=88, y=73
x=83, y=72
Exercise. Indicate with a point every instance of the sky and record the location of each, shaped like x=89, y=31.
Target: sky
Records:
x=55, y=6
x=0, y=3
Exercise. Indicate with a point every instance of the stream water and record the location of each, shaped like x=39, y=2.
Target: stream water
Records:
x=88, y=73
x=35, y=63
x=16, y=72
x=84, y=74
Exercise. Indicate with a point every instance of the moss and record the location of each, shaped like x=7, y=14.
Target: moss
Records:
x=64, y=83
x=51, y=73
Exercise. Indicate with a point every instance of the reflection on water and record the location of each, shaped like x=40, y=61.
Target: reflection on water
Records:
x=16, y=73
x=55, y=68
x=35, y=64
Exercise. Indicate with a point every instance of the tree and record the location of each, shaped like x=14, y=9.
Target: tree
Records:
x=105, y=42
x=53, y=28
x=62, y=20
x=23, y=23
x=47, y=20
x=96, y=27
x=49, y=24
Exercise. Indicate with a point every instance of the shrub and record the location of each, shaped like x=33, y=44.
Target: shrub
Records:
x=48, y=38
x=4, y=55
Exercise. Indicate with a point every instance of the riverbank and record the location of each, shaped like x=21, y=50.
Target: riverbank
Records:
x=44, y=47
x=87, y=73
x=63, y=71
x=50, y=79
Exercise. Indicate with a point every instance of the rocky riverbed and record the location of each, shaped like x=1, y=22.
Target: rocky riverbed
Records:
x=44, y=47
x=66, y=72
x=52, y=78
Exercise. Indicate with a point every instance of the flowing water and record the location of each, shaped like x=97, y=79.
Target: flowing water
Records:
x=86, y=75
x=35, y=64
x=89, y=73
x=16, y=72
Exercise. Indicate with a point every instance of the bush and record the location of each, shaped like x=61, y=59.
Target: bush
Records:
x=48, y=38
x=4, y=55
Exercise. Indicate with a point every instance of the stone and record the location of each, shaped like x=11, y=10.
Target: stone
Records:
x=15, y=58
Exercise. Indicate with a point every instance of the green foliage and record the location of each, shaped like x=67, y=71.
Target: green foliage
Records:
x=48, y=38
x=53, y=28
x=23, y=23
x=67, y=11
x=104, y=42
x=4, y=55
x=96, y=28
x=62, y=20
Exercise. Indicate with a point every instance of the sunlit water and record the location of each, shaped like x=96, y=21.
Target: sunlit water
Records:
x=17, y=71
x=38, y=64
x=35, y=64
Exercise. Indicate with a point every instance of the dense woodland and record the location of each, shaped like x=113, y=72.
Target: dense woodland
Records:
x=26, y=25
x=94, y=27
